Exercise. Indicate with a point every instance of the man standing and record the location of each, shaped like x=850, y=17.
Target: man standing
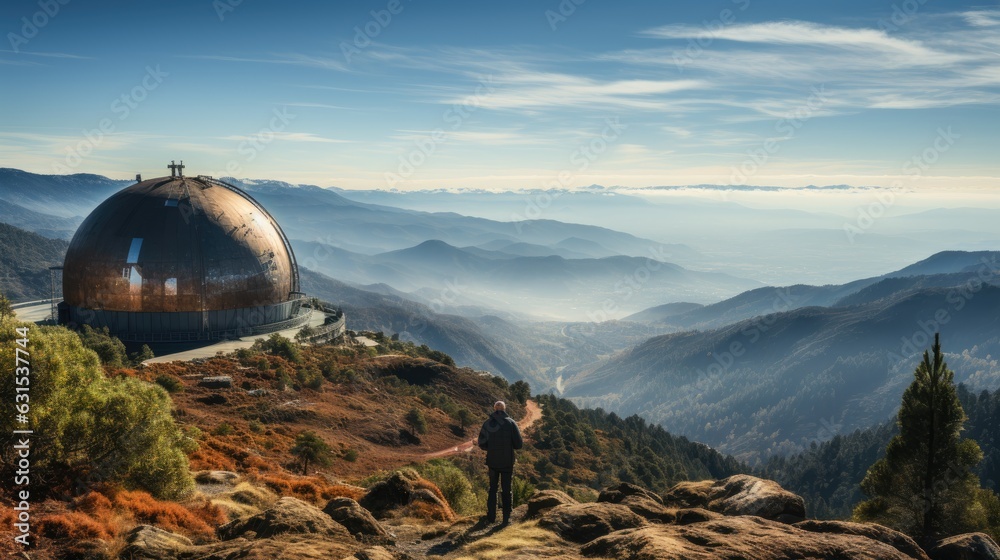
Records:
x=499, y=437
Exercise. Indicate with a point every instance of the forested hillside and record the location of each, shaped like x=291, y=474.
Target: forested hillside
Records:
x=776, y=383
x=24, y=261
x=829, y=474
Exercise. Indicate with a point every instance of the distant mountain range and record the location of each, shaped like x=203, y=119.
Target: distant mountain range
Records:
x=931, y=272
x=572, y=289
x=780, y=368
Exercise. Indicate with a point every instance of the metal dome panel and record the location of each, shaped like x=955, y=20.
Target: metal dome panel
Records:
x=179, y=244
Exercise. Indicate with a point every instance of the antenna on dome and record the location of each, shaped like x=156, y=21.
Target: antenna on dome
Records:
x=176, y=170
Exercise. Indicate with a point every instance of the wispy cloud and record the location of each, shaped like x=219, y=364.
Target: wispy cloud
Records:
x=807, y=33
x=294, y=59
x=289, y=137
x=46, y=54
x=983, y=18
x=536, y=90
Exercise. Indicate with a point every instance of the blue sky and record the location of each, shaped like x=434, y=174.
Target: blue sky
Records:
x=508, y=95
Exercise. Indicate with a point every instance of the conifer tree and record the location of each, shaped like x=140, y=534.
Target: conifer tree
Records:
x=310, y=448
x=925, y=486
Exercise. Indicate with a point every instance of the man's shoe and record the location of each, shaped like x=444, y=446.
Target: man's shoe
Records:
x=505, y=522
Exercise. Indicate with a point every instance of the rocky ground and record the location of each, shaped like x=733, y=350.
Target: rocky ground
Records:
x=404, y=517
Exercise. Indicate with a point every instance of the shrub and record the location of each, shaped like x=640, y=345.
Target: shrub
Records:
x=454, y=485
x=310, y=378
x=118, y=430
x=169, y=383
x=223, y=429
x=144, y=353
x=351, y=455
x=522, y=490
x=109, y=349
x=280, y=346
x=418, y=423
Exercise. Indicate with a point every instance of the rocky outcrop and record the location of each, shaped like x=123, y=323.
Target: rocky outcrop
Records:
x=545, y=500
x=739, y=495
x=290, y=529
x=641, y=501
x=378, y=553
x=358, y=521
x=149, y=542
x=585, y=522
x=288, y=515
x=745, y=537
x=880, y=533
x=406, y=488
x=970, y=546
x=216, y=477
x=688, y=516
x=615, y=494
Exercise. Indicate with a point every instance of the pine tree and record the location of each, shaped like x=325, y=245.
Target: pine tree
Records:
x=924, y=486
x=310, y=448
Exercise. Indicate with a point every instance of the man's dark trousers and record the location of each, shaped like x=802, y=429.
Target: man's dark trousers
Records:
x=503, y=478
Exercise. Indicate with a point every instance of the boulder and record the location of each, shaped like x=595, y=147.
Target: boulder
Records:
x=288, y=515
x=585, y=522
x=739, y=495
x=373, y=553
x=406, y=488
x=744, y=537
x=546, y=500
x=389, y=494
x=357, y=520
x=616, y=494
x=216, y=477
x=650, y=509
x=873, y=531
x=149, y=542
x=216, y=382
x=283, y=547
x=970, y=546
x=688, y=516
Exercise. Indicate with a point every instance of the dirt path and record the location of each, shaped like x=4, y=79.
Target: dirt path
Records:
x=533, y=413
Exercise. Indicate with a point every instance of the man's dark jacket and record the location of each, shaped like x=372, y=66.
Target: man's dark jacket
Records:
x=499, y=437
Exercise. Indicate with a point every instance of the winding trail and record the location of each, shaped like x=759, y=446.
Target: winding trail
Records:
x=533, y=413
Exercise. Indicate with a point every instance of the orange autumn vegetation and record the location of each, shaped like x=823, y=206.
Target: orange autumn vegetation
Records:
x=107, y=512
x=74, y=526
x=311, y=489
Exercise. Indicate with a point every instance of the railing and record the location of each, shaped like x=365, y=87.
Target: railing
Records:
x=198, y=336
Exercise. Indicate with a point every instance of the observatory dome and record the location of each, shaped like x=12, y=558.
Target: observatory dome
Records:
x=180, y=258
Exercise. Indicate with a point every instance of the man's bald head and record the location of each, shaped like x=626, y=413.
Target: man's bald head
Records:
x=500, y=406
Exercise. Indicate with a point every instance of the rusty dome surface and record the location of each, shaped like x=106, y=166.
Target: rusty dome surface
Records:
x=178, y=244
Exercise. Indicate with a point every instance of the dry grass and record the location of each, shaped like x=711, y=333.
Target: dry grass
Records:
x=526, y=540
x=244, y=500
x=73, y=526
x=198, y=520
x=312, y=489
